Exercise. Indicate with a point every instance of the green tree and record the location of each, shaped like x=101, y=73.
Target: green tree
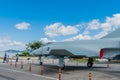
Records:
x=25, y=53
x=33, y=45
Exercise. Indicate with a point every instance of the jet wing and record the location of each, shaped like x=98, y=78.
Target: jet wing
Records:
x=60, y=52
x=85, y=52
x=73, y=53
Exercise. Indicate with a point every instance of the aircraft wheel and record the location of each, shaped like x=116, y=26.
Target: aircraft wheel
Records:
x=41, y=63
x=63, y=67
x=89, y=64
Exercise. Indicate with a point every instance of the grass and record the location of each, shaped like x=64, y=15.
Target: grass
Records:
x=82, y=60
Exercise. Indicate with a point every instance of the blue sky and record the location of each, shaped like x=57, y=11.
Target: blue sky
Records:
x=23, y=21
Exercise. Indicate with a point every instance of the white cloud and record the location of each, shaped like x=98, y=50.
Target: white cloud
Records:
x=86, y=32
x=114, y=21
x=110, y=22
x=94, y=29
x=106, y=26
x=6, y=43
x=102, y=28
x=22, y=26
x=58, y=29
x=93, y=25
x=46, y=40
x=79, y=37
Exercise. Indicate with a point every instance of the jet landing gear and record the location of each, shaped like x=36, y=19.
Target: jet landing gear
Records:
x=90, y=63
x=62, y=68
x=41, y=63
x=61, y=63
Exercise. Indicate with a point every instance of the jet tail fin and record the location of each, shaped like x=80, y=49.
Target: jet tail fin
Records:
x=114, y=34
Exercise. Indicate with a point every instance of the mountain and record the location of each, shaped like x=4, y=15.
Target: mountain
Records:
x=13, y=51
x=10, y=52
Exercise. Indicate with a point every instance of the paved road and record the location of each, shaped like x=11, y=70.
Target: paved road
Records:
x=8, y=72
x=72, y=71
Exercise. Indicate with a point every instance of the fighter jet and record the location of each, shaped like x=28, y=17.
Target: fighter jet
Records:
x=107, y=47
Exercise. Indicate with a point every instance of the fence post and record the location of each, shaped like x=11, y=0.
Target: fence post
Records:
x=41, y=70
x=59, y=74
x=30, y=67
x=16, y=64
x=11, y=62
x=108, y=64
x=21, y=64
x=90, y=76
x=52, y=61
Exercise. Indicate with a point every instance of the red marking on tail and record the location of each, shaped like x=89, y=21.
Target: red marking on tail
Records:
x=101, y=53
